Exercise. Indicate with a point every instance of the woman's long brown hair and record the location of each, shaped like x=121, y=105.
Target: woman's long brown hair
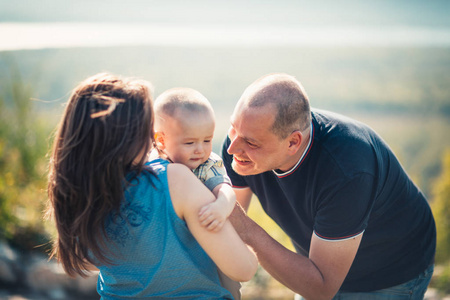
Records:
x=105, y=132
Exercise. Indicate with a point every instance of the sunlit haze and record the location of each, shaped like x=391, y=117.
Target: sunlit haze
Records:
x=26, y=24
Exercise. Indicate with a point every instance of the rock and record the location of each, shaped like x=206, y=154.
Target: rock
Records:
x=46, y=277
x=88, y=285
x=7, y=275
x=8, y=262
x=431, y=294
x=33, y=276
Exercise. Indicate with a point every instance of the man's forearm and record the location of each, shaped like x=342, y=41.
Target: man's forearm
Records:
x=293, y=270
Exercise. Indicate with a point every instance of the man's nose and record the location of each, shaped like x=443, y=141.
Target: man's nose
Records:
x=234, y=147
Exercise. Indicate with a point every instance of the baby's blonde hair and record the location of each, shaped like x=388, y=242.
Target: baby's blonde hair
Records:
x=181, y=99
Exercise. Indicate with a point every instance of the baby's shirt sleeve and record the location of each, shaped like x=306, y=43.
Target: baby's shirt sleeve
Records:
x=212, y=172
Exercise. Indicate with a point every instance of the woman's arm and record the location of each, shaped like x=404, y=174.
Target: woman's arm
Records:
x=213, y=215
x=225, y=247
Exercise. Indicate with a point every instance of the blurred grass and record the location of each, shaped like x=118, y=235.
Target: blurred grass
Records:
x=23, y=164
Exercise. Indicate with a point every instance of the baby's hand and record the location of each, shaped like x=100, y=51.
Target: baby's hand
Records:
x=212, y=216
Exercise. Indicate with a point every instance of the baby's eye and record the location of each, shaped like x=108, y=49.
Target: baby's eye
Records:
x=189, y=143
x=207, y=141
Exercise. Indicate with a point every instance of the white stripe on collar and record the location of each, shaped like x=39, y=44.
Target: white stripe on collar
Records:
x=301, y=158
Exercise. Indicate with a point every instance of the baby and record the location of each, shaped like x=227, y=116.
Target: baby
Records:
x=184, y=129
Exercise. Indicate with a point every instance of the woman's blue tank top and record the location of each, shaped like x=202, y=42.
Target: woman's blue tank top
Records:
x=153, y=253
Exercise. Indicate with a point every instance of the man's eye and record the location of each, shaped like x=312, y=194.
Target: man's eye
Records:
x=231, y=132
x=252, y=145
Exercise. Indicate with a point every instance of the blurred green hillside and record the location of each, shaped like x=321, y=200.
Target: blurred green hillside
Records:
x=393, y=80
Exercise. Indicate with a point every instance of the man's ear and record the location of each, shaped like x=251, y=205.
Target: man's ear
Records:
x=159, y=140
x=294, y=141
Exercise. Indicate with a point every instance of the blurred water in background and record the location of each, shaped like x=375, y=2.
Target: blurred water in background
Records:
x=20, y=36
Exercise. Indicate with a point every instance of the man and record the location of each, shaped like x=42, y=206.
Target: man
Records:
x=361, y=228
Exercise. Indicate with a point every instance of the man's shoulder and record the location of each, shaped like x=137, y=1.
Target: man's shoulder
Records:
x=337, y=130
x=328, y=118
x=344, y=142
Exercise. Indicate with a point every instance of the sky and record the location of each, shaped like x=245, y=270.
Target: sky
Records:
x=282, y=12
x=30, y=24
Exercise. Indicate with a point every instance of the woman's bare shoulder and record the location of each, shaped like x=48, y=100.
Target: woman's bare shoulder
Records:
x=186, y=190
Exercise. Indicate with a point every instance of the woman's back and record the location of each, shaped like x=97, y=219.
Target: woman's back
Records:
x=155, y=255
x=149, y=243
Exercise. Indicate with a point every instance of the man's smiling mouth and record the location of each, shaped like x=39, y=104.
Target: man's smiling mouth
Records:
x=241, y=160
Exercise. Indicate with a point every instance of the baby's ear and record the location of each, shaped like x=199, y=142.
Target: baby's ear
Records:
x=159, y=140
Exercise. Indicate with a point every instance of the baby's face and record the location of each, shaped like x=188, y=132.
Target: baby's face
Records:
x=188, y=138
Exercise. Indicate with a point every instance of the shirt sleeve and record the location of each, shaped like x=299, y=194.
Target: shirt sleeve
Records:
x=237, y=181
x=212, y=172
x=345, y=213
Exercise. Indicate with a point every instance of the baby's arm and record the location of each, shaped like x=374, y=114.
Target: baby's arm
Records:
x=213, y=215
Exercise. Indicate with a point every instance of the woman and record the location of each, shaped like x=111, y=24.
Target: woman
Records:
x=137, y=222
